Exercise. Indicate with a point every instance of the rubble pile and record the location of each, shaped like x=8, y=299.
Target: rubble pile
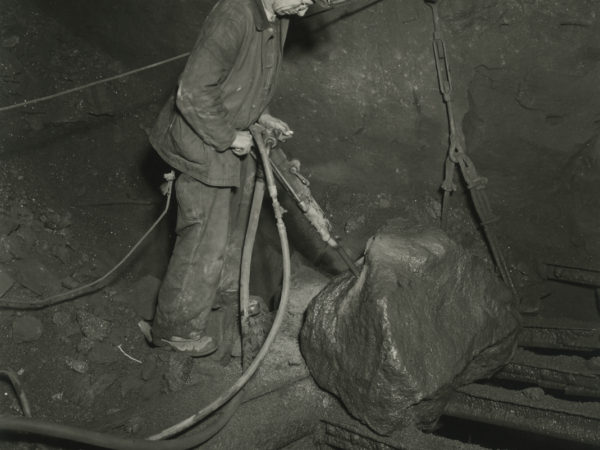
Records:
x=36, y=253
x=82, y=358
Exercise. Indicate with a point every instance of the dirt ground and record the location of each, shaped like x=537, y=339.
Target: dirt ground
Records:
x=79, y=183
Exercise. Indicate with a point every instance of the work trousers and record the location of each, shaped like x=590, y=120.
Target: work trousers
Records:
x=206, y=259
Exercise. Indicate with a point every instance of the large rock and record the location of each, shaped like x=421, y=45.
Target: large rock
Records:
x=425, y=316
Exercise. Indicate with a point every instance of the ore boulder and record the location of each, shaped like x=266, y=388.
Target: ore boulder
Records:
x=424, y=317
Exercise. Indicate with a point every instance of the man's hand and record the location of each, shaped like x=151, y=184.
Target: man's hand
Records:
x=242, y=143
x=276, y=125
x=291, y=7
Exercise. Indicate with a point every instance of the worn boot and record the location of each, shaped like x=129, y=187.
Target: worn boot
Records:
x=195, y=346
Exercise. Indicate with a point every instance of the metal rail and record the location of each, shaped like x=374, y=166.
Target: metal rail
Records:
x=576, y=422
x=577, y=275
x=347, y=434
x=560, y=334
x=572, y=375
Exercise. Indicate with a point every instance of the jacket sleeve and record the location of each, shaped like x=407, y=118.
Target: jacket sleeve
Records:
x=199, y=96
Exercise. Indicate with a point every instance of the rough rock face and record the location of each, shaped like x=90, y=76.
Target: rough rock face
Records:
x=424, y=316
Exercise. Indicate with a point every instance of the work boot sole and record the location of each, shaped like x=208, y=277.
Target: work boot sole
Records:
x=195, y=348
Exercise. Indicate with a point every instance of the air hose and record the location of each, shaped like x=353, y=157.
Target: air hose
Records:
x=251, y=229
x=103, y=440
x=231, y=398
x=20, y=393
x=256, y=131
x=99, y=283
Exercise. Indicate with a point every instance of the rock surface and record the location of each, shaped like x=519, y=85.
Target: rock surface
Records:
x=424, y=316
x=142, y=296
x=36, y=276
x=27, y=329
x=6, y=282
x=92, y=326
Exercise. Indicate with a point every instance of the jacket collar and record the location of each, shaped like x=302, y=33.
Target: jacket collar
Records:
x=260, y=16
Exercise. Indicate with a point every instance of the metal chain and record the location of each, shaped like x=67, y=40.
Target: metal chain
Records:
x=457, y=156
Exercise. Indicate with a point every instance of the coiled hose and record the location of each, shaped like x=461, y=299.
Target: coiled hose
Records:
x=231, y=398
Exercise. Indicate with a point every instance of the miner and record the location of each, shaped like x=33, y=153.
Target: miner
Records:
x=202, y=132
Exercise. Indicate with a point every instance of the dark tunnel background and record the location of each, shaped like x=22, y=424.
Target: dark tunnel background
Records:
x=361, y=92
x=359, y=89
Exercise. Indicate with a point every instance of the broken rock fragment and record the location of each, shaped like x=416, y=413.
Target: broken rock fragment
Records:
x=36, y=277
x=93, y=327
x=88, y=389
x=27, y=329
x=425, y=316
x=54, y=221
x=8, y=224
x=77, y=365
x=6, y=282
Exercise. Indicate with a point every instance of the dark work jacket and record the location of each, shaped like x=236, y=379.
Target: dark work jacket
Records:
x=226, y=85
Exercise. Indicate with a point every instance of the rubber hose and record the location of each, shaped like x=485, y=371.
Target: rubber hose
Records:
x=99, y=283
x=103, y=440
x=257, y=198
x=285, y=253
x=16, y=385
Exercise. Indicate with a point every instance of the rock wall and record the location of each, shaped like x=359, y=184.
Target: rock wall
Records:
x=360, y=89
x=524, y=94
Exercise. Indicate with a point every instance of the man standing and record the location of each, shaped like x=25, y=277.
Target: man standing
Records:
x=202, y=132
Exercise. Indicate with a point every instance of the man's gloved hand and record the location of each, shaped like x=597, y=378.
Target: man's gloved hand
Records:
x=242, y=143
x=276, y=125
